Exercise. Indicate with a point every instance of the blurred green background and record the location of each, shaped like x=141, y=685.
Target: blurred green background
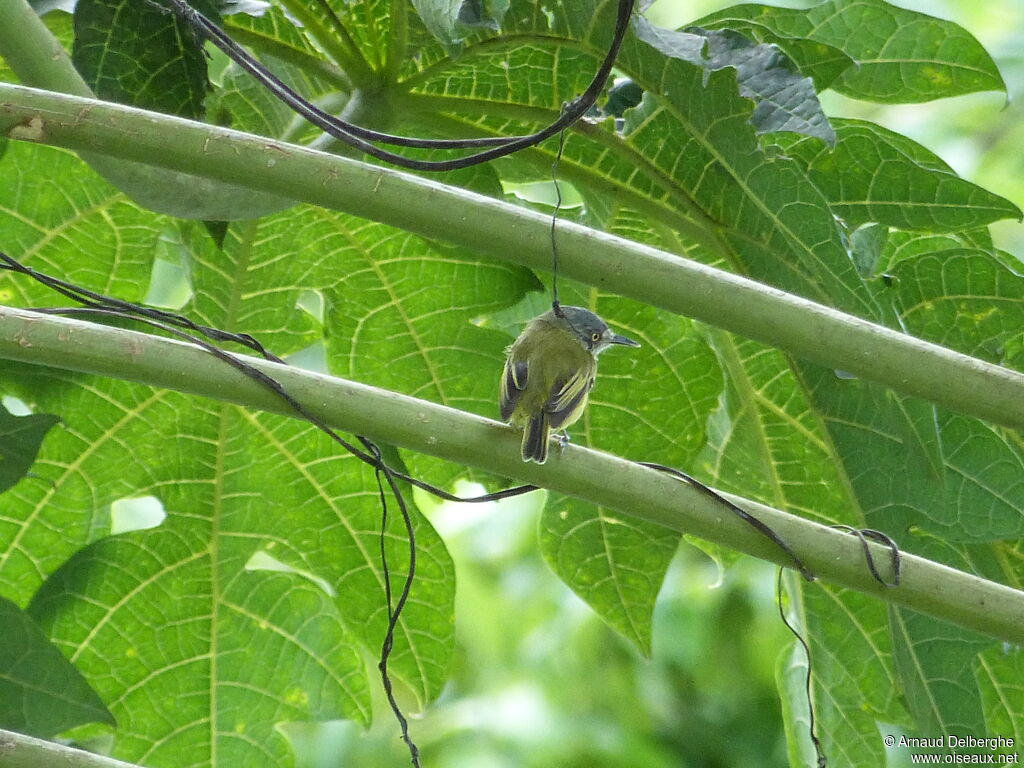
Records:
x=539, y=681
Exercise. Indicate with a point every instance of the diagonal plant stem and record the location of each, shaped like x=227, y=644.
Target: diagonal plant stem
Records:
x=20, y=751
x=508, y=233
x=398, y=39
x=338, y=44
x=472, y=440
x=35, y=55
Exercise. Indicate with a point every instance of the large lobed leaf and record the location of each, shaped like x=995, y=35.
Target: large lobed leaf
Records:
x=689, y=158
x=178, y=624
x=140, y=54
x=876, y=175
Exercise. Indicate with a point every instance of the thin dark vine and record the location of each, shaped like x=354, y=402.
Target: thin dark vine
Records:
x=812, y=726
x=864, y=535
x=361, y=138
x=207, y=338
x=179, y=326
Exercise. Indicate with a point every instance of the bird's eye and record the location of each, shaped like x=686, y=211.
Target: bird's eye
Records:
x=595, y=336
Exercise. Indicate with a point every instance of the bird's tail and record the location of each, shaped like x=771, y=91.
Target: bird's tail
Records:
x=535, y=439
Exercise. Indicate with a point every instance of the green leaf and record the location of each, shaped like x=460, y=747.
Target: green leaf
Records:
x=907, y=57
x=822, y=63
x=785, y=100
x=234, y=484
x=137, y=53
x=853, y=683
x=196, y=655
x=907, y=245
x=965, y=299
x=97, y=227
x=615, y=564
x=1000, y=672
x=875, y=175
x=20, y=438
x=935, y=662
x=41, y=693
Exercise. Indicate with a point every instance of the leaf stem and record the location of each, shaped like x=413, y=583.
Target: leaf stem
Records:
x=340, y=45
x=504, y=232
x=35, y=55
x=471, y=440
x=20, y=751
x=398, y=40
x=313, y=65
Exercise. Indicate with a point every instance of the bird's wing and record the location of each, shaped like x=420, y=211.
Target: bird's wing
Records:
x=566, y=396
x=513, y=382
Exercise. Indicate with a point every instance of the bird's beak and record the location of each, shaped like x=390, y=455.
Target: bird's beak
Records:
x=623, y=340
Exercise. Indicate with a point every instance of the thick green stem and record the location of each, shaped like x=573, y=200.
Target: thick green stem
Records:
x=20, y=751
x=507, y=233
x=475, y=441
x=34, y=53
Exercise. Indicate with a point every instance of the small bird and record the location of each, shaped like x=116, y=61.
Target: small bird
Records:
x=550, y=371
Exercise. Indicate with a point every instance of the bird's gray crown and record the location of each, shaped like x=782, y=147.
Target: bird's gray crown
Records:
x=583, y=322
